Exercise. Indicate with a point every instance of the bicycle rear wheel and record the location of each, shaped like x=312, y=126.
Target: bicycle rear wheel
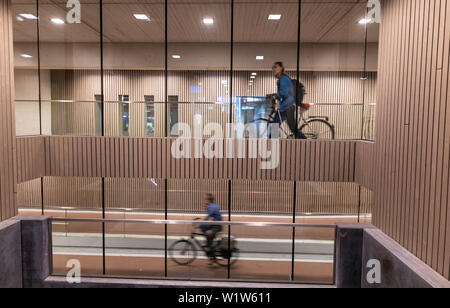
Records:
x=222, y=257
x=318, y=129
x=183, y=252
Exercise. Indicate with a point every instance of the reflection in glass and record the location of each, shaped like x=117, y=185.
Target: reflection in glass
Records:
x=149, y=115
x=26, y=74
x=199, y=62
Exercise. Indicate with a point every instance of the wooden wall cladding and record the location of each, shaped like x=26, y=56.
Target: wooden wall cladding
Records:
x=364, y=164
x=8, y=176
x=126, y=157
x=412, y=151
x=30, y=158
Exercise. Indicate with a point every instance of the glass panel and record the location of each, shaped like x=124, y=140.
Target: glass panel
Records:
x=186, y=201
x=134, y=198
x=322, y=199
x=29, y=197
x=133, y=35
x=26, y=73
x=262, y=253
x=314, y=255
x=199, y=63
x=73, y=197
x=366, y=205
x=333, y=67
x=70, y=58
x=77, y=244
x=370, y=90
x=265, y=32
x=135, y=249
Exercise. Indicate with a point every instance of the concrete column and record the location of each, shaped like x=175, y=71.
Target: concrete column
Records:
x=8, y=171
x=10, y=255
x=36, y=249
x=349, y=247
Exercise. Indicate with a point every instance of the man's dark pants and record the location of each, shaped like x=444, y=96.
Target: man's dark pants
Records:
x=210, y=236
x=289, y=117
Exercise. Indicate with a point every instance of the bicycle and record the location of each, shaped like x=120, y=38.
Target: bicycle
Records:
x=314, y=127
x=184, y=251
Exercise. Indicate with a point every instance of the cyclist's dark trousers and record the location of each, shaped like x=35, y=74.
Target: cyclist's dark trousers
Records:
x=289, y=117
x=210, y=236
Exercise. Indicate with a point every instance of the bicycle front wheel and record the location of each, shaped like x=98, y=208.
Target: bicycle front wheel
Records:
x=318, y=129
x=183, y=252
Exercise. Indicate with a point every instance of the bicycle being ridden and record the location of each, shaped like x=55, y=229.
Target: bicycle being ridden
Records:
x=184, y=252
x=283, y=107
x=218, y=251
x=314, y=127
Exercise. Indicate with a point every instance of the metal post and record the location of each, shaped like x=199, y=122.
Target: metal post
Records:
x=294, y=211
x=103, y=134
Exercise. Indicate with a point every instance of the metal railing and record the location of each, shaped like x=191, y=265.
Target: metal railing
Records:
x=353, y=121
x=261, y=251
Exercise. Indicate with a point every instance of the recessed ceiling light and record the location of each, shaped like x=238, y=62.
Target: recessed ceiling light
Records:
x=26, y=56
x=176, y=56
x=259, y=58
x=365, y=21
x=28, y=16
x=224, y=81
x=253, y=74
x=19, y=18
x=252, y=77
x=57, y=21
x=274, y=16
x=141, y=17
x=208, y=21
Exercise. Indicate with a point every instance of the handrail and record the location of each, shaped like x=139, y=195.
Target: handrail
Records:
x=204, y=103
x=190, y=222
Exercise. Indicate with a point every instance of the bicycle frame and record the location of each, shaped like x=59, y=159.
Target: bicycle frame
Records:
x=197, y=242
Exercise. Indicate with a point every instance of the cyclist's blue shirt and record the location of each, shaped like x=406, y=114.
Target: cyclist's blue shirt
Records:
x=214, y=212
x=286, y=92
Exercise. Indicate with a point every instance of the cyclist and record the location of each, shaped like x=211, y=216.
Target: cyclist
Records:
x=210, y=231
x=286, y=95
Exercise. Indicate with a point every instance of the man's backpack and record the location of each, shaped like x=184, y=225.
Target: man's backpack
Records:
x=300, y=91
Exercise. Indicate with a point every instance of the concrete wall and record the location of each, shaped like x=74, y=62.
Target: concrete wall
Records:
x=36, y=249
x=10, y=254
x=399, y=268
x=368, y=258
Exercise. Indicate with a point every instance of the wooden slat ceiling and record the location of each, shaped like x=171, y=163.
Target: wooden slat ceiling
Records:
x=322, y=21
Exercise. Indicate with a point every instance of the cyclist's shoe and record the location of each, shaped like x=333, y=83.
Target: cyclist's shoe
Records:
x=211, y=261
